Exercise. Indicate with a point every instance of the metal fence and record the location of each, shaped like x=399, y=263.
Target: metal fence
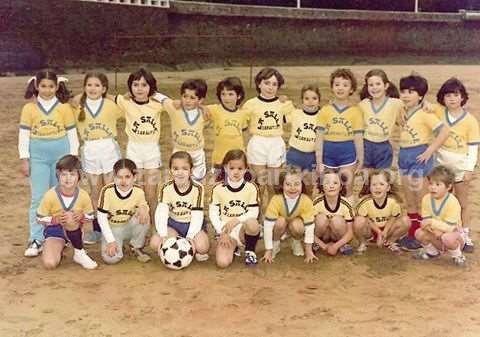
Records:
x=148, y=3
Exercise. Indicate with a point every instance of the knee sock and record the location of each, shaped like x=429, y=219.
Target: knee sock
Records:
x=415, y=219
x=251, y=242
x=75, y=238
x=96, y=226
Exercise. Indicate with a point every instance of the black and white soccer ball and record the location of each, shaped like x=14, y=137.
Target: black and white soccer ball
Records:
x=176, y=253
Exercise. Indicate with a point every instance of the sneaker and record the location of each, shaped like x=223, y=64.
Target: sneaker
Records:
x=276, y=248
x=409, y=244
x=250, y=258
x=459, y=260
x=362, y=248
x=423, y=255
x=469, y=247
x=346, y=250
x=92, y=237
x=394, y=247
x=140, y=254
x=315, y=247
x=80, y=256
x=297, y=247
x=237, y=252
x=201, y=257
x=34, y=248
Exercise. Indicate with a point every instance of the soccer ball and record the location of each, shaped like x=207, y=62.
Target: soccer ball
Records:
x=176, y=253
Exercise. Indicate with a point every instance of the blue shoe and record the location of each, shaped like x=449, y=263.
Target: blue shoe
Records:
x=250, y=258
x=409, y=244
x=91, y=238
x=346, y=250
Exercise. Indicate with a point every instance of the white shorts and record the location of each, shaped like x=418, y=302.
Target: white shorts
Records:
x=199, y=164
x=145, y=155
x=235, y=234
x=99, y=156
x=269, y=151
x=454, y=161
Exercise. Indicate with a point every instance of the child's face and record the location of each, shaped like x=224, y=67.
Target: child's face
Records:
x=235, y=170
x=376, y=87
x=268, y=87
x=229, y=98
x=453, y=100
x=292, y=185
x=124, y=179
x=311, y=99
x=140, y=89
x=342, y=88
x=437, y=189
x=379, y=186
x=94, y=88
x=331, y=185
x=410, y=98
x=181, y=171
x=67, y=179
x=47, y=89
x=190, y=100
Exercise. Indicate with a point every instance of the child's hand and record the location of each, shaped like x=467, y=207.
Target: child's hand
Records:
x=332, y=250
x=359, y=167
x=320, y=168
x=111, y=249
x=427, y=107
x=177, y=104
x=62, y=218
x=78, y=216
x=309, y=256
x=267, y=257
x=438, y=234
x=75, y=101
x=70, y=223
x=26, y=167
x=206, y=112
x=380, y=239
x=225, y=241
x=127, y=95
x=283, y=98
x=143, y=216
x=227, y=228
x=424, y=157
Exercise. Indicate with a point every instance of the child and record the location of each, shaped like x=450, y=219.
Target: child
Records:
x=180, y=208
x=266, y=148
x=459, y=152
x=187, y=123
x=123, y=214
x=441, y=227
x=63, y=210
x=334, y=216
x=421, y=135
x=379, y=215
x=289, y=212
x=301, y=152
x=234, y=210
x=47, y=133
x=339, y=139
x=97, y=126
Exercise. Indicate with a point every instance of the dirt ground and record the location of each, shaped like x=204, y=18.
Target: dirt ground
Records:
x=376, y=294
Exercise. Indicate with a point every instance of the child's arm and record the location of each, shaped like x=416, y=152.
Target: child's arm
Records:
x=343, y=241
x=161, y=220
x=24, y=150
x=434, y=146
x=358, y=141
x=319, y=151
x=472, y=157
x=388, y=225
x=268, y=240
x=196, y=223
x=143, y=214
x=102, y=218
x=308, y=239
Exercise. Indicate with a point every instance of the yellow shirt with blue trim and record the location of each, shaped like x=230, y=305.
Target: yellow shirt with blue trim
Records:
x=278, y=207
x=181, y=204
x=461, y=133
x=235, y=202
x=340, y=124
x=120, y=209
x=379, y=214
x=228, y=126
x=304, y=130
x=100, y=124
x=142, y=119
x=419, y=127
x=446, y=210
x=52, y=203
x=380, y=121
x=342, y=208
x=47, y=124
x=266, y=116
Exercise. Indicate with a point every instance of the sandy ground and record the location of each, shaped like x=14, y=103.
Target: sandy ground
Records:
x=376, y=294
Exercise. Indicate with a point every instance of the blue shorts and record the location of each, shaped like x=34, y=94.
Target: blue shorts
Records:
x=377, y=155
x=407, y=162
x=182, y=227
x=339, y=154
x=54, y=231
x=304, y=160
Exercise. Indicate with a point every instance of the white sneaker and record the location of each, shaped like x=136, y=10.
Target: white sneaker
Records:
x=297, y=247
x=276, y=248
x=34, y=248
x=80, y=256
x=201, y=257
x=362, y=248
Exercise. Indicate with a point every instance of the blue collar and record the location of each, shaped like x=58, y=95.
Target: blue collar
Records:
x=340, y=110
x=462, y=116
x=45, y=111
x=95, y=114
x=75, y=197
x=436, y=211
x=380, y=108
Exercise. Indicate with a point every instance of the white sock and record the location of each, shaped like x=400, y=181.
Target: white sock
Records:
x=431, y=249
x=455, y=252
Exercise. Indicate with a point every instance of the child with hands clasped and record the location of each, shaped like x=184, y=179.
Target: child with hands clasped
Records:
x=290, y=212
x=441, y=227
x=180, y=208
x=63, y=210
x=379, y=215
x=47, y=133
x=234, y=210
x=123, y=214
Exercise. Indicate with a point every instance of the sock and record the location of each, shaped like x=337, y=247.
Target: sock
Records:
x=414, y=224
x=455, y=252
x=96, y=226
x=75, y=238
x=251, y=242
x=431, y=249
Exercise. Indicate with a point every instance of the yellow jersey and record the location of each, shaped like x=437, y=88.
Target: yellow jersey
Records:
x=278, y=207
x=340, y=124
x=235, y=202
x=379, y=214
x=304, y=129
x=419, y=127
x=445, y=211
x=380, y=121
x=52, y=203
x=181, y=204
x=342, y=208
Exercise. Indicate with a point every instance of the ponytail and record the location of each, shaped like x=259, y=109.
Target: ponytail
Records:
x=62, y=92
x=81, y=115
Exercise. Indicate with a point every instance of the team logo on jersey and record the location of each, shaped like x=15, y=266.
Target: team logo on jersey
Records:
x=180, y=208
x=457, y=139
x=121, y=216
x=47, y=127
x=381, y=124
x=306, y=127
x=266, y=116
x=92, y=127
x=412, y=133
x=187, y=138
x=235, y=208
x=145, y=126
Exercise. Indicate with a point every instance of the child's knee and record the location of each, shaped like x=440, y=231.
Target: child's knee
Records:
x=155, y=242
x=223, y=261
x=296, y=228
x=281, y=224
x=251, y=227
x=359, y=223
x=450, y=240
x=202, y=245
x=50, y=263
x=421, y=235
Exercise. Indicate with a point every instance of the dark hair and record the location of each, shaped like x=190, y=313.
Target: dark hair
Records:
x=343, y=188
x=103, y=79
x=149, y=78
x=288, y=171
x=416, y=83
x=198, y=85
x=310, y=87
x=443, y=174
x=392, y=90
x=62, y=92
x=69, y=163
x=231, y=83
x=394, y=189
x=266, y=73
x=181, y=155
x=346, y=74
x=235, y=154
x=125, y=164
x=452, y=85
